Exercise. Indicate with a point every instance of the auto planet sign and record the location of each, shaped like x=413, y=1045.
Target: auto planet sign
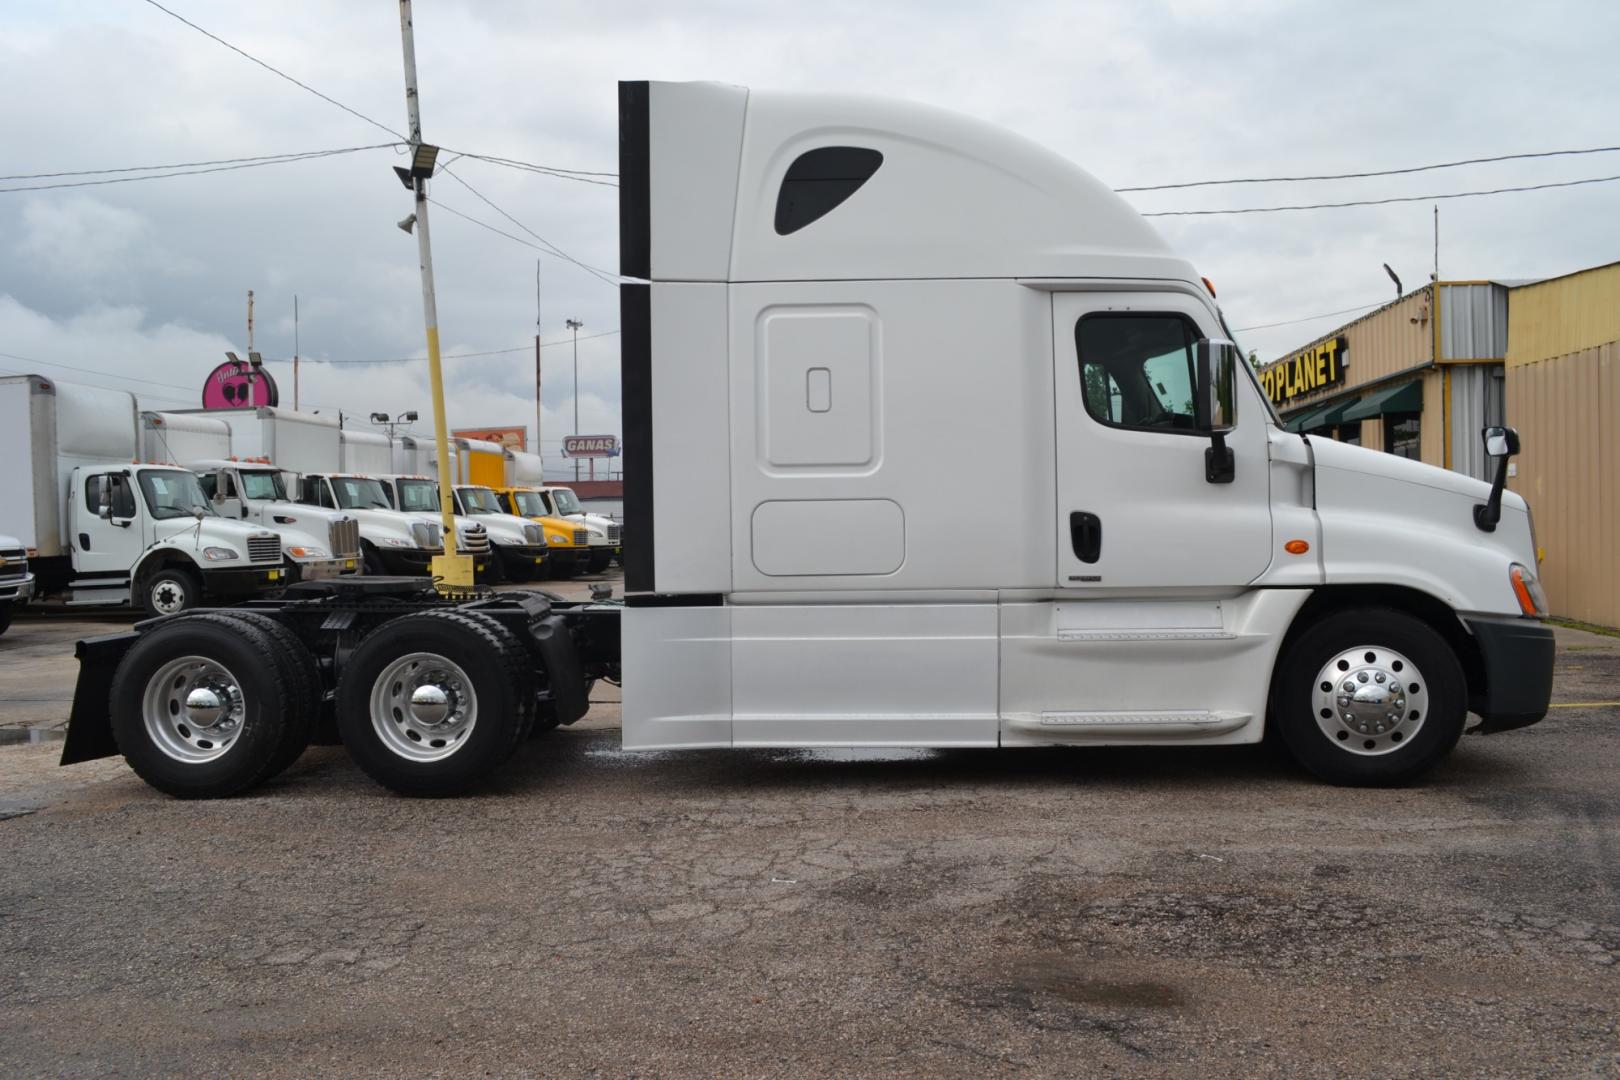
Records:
x=591, y=446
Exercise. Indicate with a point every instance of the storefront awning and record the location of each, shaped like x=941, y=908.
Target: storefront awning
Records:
x=1325, y=416
x=1404, y=398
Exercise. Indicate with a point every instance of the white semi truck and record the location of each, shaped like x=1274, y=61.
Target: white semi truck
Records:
x=318, y=543
x=834, y=286
x=101, y=525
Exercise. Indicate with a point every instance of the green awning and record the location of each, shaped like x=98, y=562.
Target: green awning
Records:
x=1404, y=398
x=1323, y=416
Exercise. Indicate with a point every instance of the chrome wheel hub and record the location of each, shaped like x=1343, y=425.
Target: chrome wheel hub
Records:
x=1370, y=699
x=423, y=707
x=193, y=709
x=168, y=597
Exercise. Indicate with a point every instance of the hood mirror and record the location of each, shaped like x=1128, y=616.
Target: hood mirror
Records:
x=1501, y=443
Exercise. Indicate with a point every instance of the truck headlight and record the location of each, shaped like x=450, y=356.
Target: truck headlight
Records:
x=1527, y=590
x=220, y=554
x=556, y=538
x=308, y=553
x=394, y=541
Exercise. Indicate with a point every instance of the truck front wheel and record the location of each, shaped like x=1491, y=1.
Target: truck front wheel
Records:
x=1369, y=696
x=5, y=617
x=169, y=590
x=431, y=703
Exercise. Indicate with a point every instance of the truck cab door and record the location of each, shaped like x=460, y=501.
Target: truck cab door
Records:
x=1136, y=508
x=108, y=545
x=221, y=489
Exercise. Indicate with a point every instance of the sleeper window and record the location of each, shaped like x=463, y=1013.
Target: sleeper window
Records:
x=1138, y=371
x=818, y=181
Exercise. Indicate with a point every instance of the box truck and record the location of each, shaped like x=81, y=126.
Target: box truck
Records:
x=318, y=543
x=523, y=472
x=105, y=527
x=832, y=287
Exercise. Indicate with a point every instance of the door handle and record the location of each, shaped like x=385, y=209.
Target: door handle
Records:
x=84, y=541
x=1085, y=533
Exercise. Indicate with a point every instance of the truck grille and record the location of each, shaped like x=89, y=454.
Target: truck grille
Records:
x=13, y=564
x=582, y=537
x=425, y=535
x=344, y=534
x=475, y=541
x=613, y=534
x=264, y=548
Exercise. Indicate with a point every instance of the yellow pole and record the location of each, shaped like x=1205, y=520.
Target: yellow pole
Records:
x=452, y=571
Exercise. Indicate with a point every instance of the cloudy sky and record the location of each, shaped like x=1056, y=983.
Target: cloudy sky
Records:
x=143, y=285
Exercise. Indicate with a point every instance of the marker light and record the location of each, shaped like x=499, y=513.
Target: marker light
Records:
x=1297, y=547
x=1527, y=590
x=1210, y=285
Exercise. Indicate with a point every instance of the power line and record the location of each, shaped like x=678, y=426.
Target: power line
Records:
x=1308, y=318
x=1381, y=202
x=1379, y=172
x=243, y=163
x=579, y=175
x=549, y=248
x=277, y=71
x=180, y=165
x=527, y=347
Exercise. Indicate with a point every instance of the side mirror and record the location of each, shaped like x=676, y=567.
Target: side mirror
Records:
x=1215, y=406
x=1501, y=443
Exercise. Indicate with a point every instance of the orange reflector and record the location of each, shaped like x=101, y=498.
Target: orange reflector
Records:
x=1210, y=285
x=1297, y=547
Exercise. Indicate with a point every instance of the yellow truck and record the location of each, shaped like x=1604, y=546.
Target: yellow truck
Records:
x=569, y=541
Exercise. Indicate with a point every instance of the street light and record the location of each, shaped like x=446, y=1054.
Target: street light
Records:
x=382, y=419
x=574, y=325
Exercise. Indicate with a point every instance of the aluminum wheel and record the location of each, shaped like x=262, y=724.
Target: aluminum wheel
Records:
x=193, y=709
x=423, y=706
x=168, y=596
x=1369, y=700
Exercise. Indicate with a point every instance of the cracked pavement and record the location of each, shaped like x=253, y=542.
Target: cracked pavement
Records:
x=968, y=913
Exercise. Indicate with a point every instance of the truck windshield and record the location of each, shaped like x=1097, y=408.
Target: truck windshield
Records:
x=172, y=494
x=418, y=496
x=479, y=500
x=567, y=502
x=359, y=493
x=529, y=503
x=263, y=486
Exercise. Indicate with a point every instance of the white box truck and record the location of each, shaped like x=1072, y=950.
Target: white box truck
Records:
x=16, y=580
x=102, y=526
x=318, y=543
x=523, y=471
x=835, y=285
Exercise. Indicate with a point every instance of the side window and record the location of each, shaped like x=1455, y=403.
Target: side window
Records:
x=323, y=494
x=1138, y=370
x=819, y=180
x=209, y=482
x=123, y=499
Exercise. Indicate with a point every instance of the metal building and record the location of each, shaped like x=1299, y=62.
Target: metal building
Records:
x=1417, y=377
x=1563, y=395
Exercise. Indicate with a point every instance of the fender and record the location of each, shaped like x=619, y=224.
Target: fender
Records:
x=147, y=557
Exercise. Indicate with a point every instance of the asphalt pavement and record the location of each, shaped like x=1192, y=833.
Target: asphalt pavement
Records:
x=1157, y=912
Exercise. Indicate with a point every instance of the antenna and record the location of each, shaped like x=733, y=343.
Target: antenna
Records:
x=295, y=352
x=1436, y=242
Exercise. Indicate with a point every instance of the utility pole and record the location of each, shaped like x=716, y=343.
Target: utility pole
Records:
x=453, y=570
x=574, y=325
x=537, y=366
x=295, y=352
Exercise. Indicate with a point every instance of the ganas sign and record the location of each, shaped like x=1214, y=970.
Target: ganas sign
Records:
x=591, y=446
x=1316, y=368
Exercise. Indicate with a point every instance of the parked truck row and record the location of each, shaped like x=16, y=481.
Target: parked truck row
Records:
x=831, y=288
x=166, y=511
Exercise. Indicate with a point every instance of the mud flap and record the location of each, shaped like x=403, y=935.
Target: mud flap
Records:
x=89, y=734
x=564, y=675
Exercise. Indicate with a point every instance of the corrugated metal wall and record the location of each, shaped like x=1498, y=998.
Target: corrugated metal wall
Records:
x=1476, y=404
x=1565, y=315
x=1473, y=321
x=1565, y=409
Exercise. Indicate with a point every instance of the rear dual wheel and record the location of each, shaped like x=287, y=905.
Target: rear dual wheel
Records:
x=1369, y=696
x=431, y=703
x=212, y=704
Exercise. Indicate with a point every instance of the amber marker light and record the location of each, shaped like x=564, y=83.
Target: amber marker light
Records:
x=1210, y=285
x=1297, y=547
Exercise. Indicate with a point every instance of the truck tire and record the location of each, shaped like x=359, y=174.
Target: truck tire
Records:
x=370, y=561
x=429, y=704
x=5, y=617
x=303, y=680
x=600, y=557
x=202, y=714
x=1369, y=697
x=169, y=590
